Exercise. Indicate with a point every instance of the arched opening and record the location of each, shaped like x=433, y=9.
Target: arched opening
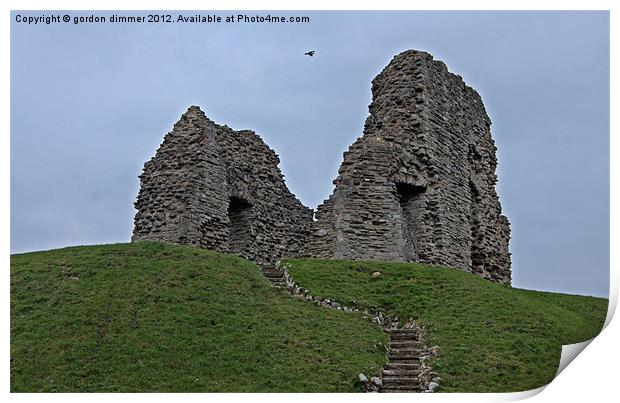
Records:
x=239, y=215
x=411, y=206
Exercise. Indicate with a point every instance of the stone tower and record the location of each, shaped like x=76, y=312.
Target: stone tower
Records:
x=419, y=185
x=217, y=188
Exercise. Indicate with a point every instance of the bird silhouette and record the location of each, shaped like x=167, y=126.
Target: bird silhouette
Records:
x=311, y=53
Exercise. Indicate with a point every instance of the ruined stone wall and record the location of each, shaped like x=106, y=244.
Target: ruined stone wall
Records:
x=419, y=185
x=217, y=188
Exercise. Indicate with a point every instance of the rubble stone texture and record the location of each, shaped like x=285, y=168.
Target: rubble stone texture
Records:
x=418, y=186
x=217, y=188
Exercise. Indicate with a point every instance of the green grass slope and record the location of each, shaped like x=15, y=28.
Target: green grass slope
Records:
x=492, y=338
x=162, y=318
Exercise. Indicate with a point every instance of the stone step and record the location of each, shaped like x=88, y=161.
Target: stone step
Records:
x=400, y=362
x=398, y=366
x=405, y=344
x=403, y=331
x=279, y=283
x=404, y=360
x=404, y=340
x=400, y=372
x=396, y=380
x=404, y=355
x=413, y=351
x=404, y=337
x=274, y=275
x=400, y=389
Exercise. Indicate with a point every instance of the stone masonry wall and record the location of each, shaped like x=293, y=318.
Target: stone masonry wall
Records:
x=217, y=188
x=419, y=185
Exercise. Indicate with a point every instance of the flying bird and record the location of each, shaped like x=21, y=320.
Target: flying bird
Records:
x=311, y=53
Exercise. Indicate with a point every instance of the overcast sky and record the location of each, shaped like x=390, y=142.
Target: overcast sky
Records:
x=91, y=103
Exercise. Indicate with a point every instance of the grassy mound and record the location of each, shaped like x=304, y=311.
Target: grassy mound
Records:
x=155, y=317
x=492, y=338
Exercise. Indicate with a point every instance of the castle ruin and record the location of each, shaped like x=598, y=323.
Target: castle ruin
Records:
x=418, y=186
x=216, y=188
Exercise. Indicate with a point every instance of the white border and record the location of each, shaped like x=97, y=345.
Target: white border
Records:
x=590, y=377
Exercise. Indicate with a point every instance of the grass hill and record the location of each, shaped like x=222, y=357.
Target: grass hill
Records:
x=491, y=337
x=149, y=317
x=162, y=318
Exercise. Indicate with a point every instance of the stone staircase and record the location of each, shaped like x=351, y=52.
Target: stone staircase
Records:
x=275, y=276
x=401, y=372
x=405, y=370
